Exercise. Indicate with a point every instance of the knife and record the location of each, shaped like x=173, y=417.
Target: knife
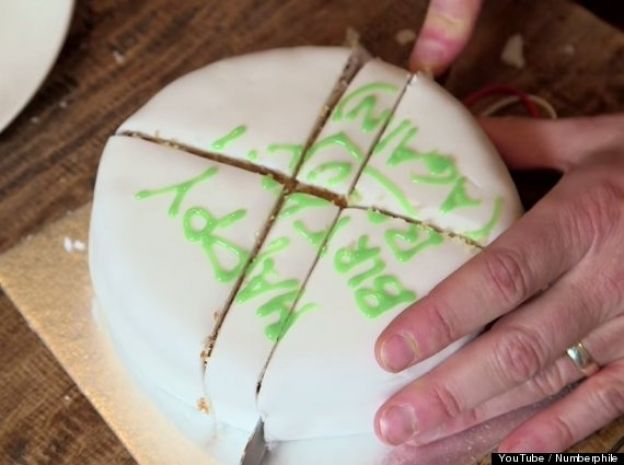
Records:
x=256, y=447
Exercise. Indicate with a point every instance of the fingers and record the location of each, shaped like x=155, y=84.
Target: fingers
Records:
x=538, y=249
x=529, y=143
x=445, y=32
x=603, y=344
x=510, y=354
x=593, y=404
x=546, y=383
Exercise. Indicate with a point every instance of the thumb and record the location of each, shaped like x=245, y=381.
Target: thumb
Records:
x=526, y=143
x=444, y=34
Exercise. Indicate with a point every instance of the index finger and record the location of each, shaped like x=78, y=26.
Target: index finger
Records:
x=534, y=252
x=444, y=34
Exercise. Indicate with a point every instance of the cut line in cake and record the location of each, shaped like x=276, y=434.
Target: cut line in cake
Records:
x=354, y=63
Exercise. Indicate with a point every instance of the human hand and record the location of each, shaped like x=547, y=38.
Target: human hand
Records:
x=445, y=32
x=555, y=278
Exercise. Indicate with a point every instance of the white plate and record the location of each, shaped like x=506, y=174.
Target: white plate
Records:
x=31, y=35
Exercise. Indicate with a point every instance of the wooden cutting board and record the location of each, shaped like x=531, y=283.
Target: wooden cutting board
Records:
x=120, y=52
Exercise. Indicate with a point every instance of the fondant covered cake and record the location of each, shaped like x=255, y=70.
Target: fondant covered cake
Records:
x=260, y=221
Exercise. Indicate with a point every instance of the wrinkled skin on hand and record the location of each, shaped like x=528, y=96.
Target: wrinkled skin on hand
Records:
x=555, y=278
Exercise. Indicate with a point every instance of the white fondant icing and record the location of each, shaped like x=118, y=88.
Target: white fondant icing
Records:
x=157, y=287
x=248, y=333
x=429, y=121
x=323, y=379
x=342, y=147
x=277, y=95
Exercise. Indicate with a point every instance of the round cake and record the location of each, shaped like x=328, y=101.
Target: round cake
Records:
x=259, y=222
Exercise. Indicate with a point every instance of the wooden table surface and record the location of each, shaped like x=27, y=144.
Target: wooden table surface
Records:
x=120, y=52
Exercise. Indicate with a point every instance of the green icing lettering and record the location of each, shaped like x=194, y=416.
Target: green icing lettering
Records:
x=207, y=234
x=403, y=152
x=413, y=238
x=341, y=140
x=393, y=189
x=298, y=201
x=442, y=169
x=294, y=150
x=271, y=248
x=388, y=138
x=341, y=169
x=210, y=241
x=180, y=190
x=484, y=232
x=387, y=292
x=350, y=257
x=271, y=184
x=458, y=198
x=252, y=155
x=315, y=238
x=261, y=284
x=230, y=137
x=276, y=331
x=366, y=105
x=376, y=217
x=355, y=197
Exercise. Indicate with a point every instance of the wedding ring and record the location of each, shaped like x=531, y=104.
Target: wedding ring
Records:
x=583, y=360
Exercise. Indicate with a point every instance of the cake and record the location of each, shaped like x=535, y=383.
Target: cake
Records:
x=259, y=222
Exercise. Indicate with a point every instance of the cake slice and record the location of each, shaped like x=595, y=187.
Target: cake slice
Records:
x=342, y=147
x=260, y=314
x=259, y=109
x=171, y=234
x=434, y=164
x=323, y=380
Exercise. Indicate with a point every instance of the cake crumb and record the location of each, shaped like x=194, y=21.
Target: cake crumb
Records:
x=63, y=104
x=119, y=57
x=513, y=52
x=405, y=36
x=35, y=120
x=568, y=50
x=203, y=405
x=72, y=245
x=352, y=37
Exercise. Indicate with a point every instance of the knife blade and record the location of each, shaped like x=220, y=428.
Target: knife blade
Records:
x=256, y=447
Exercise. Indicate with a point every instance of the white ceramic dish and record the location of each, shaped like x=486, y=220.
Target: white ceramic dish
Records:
x=31, y=35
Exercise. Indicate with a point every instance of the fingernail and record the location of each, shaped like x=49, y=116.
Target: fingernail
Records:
x=398, y=352
x=397, y=424
x=429, y=54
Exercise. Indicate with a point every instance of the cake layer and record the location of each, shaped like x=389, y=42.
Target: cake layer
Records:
x=261, y=311
x=434, y=164
x=261, y=108
x=323, y=379
x=342, y=147
x=171, y=234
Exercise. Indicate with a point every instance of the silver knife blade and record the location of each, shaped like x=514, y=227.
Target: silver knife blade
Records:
x=256, y=447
